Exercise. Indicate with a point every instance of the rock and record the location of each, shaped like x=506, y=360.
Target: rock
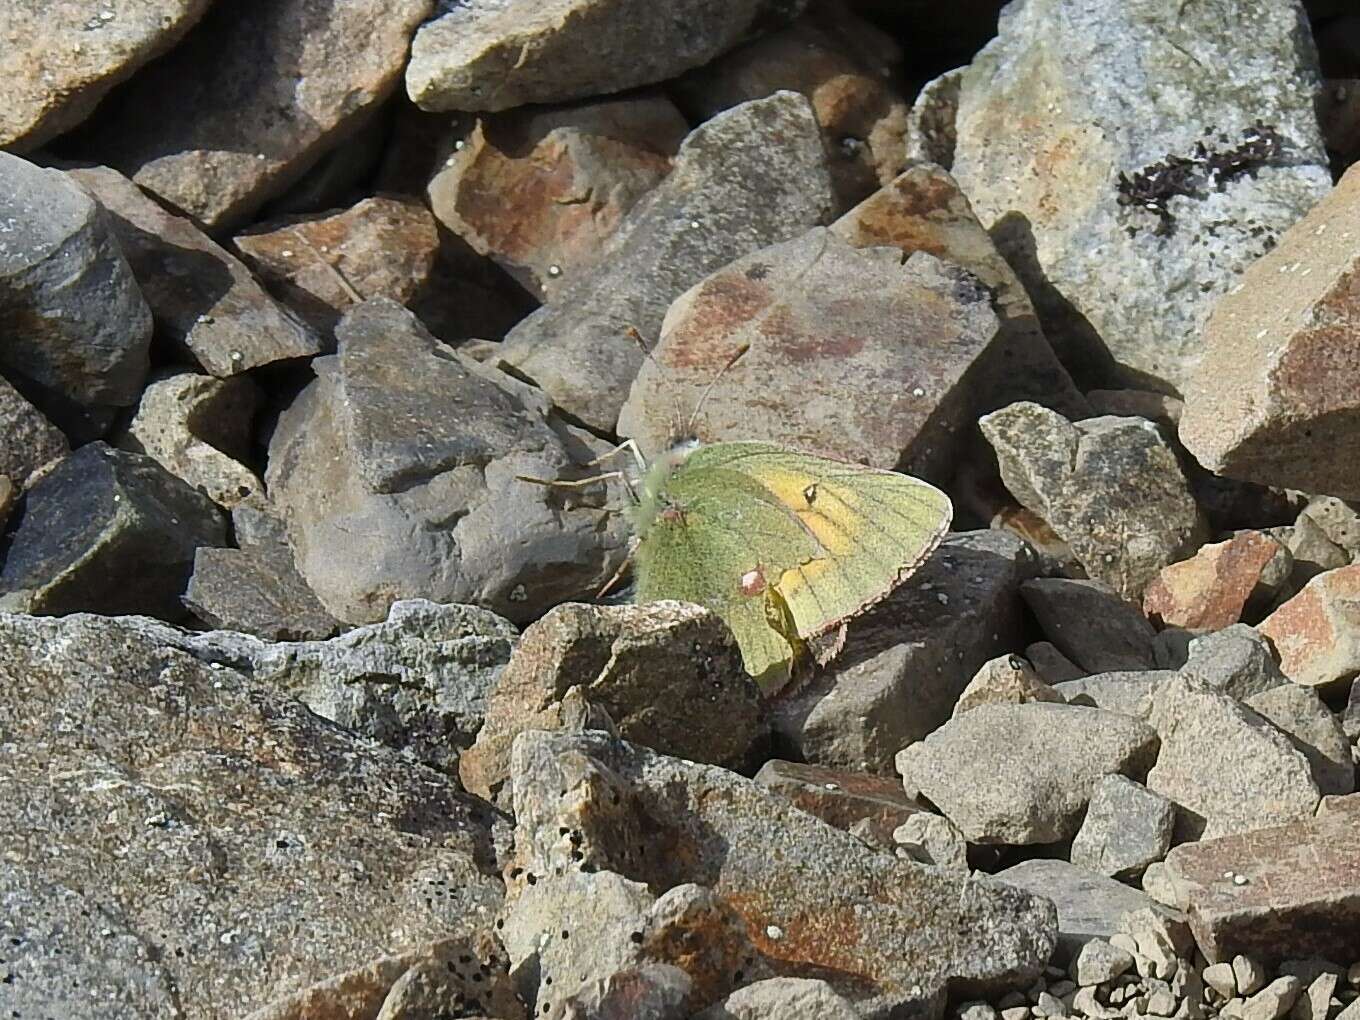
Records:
x=932, y=839
x=111, y=532
x=853, y=801
x=655, y=991
x=923, y=209
x=900, y=673
x=251, y=99
x=1248, y=975
x=931, y=137
x=1300, y=714
x=1211, y=589
x=455, y=975
x=1091, y=624
x=1339, y=521
x=1052, y=665
x=494, y=57
x=258, y=593
x=1221, y=978
x=1112, y=488
x=65, y=56
x=1005, y=680
x=1126, y=828
x=1316, y=1001
x=1161, y=408
x=542, y=190
x=1128, y=693
x=857, y=355
x=751, y=177
x=777, y=998
x=976, y=1011
x=1237, y=661
x=272, y=834
x=1045, y=761
x=1350, y=715
x=199, y=429
x=651, y=668
x=387, y=495
x=1275, y=399
x=8, y=495
x=203, y=300
x=1079, y=133
x=585, y=802
x=77, y=328
x=1311, y=550
x=845, y=66
x=1089, y=905
x=28, y=441
x=1099, y=962
x=1227, y=769
x=1317, y=632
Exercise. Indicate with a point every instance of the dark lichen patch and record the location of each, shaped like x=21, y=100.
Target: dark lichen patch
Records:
x=1210, y=167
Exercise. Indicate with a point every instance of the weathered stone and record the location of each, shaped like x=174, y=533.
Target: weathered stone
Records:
x=268, y=833
x=497, y=56
x=1044, y=761
x=203, y=300
x=1236, y=660
x=1300, y=714
x=1311, y=550
x=931, y=136
x=858, y=801
x=1317, y=632
x=1052, y=665
x=1227, y=769
x=1054, y=553
x=1128, y=693
x=1316, y=1001
x=1220, y=977
x=752, y=176
x=1091, y=624
x=650, y=667
x=1211, y=589
x=8, y=494
x=1339, y=118
x=388, y=495
x=541, y=191
x=28, y=441
x=1099, y=962
x=1126, y=828
x=252, y=591
x=886, y=933
x=251, y=100
x=855, y=353
x=932, y=839
x=901, y=671
x=1275, y=401
x=1273, y=1001
x=1079, y=129
x=1112, y=488
x=76, y=327
x=111, y=532
x=1338, y=519
x=776, y=998
x=1005, y=680
x=199, y=429
x=655, y=991
x=456, y=974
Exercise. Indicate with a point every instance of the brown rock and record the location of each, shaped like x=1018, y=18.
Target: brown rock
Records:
x=7, y=495
x=868, y=804
x=540, y=191
x=1339, y=117
x=1317, y=632
x=930, y=124
x=1300, y=897
x=28, y=441
x=1052, y=665
x=1210, y=590
x=1277, y=399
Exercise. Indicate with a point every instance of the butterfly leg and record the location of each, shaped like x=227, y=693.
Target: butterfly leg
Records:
x=623, y=567
x=575, y=483
x=628, y=445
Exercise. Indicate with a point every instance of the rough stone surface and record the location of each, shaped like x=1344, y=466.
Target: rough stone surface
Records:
x=493, y=56
x=1052, y=665
x=1090, y=624
x=901, y=671
x=654, y=991
x=654, y=669
x=1300, y=897
x=870, y=806
x=1129, y=693
x=77, y=329
x=750, y=177
x=931, y=135
x=1317, y=632
x=1126, y=828
x=774, y=998
x=1275, y=401
x=1311, y=550
x=251, y=99
x=180, y=824
x=1044, y=761
x=1227, y=769
x=203, y=300
x=1112, y=488
x=932, y=839
x=8, y=494
x=854, y=354
x=1236, y=660
x=1072, y=125
x=28, y=441
x=258, y=592
x=389, y=495
x=1005, y=680
x=108, y=531
x=1338, y=519
x=1211, y=590
x=1300, y=714
x=1099, y=961
x=886, y=934
x=541, y=191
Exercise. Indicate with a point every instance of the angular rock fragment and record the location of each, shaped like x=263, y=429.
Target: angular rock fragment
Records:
x=1126, y=828
x=28, y=441
x=1317, y=632
x=932, y=839
x=1300, y=714
x=1211, y=589
x=1237, y=660
x=1005, y=680
x=256, y=593
x=1090, y=624
x=931, y=135
x=782, y=997
x=1311, y=552
x=1051, y=664
x=8, y=494
x=655, y=991
x=1128, y=692
x=1338, y=519
x=868, y=805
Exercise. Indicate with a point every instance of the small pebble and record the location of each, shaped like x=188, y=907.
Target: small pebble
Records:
x=1251, y=977
x=1221, y=979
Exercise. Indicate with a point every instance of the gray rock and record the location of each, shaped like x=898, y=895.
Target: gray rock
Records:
x=1099, y=962
x=1226, y=768
x=258, y=592
x=1236, y=660
x=901, y=673
x=111, y=532
x=1053, y=666
x=1339, y=521
x=28, y=441
x=458, y=974
x=1126, y=828
x=1248, y=975
x=1129, y=693
x=932, y=839
x=1316, y=1001
x=1070, y=125
x=1313, y=551
x=203, y=300
x=589, y=802
x=752, y=176
x=1112, y=488
x=8, y=495
x=387, y=494
x=1350, y=715
x=268, y=833
x=1220, y=977
x=496, y=56
x=780, y=998
x=1005, y=680
x=1091, y=625
x=251, y=100
x=930, y=124
x=1274, y=1000
x=1300, y=714
x=77, y=328
x=1044, y=760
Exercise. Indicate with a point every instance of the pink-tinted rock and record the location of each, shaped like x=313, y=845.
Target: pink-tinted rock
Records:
x=1317, y=632
x=1209, y=590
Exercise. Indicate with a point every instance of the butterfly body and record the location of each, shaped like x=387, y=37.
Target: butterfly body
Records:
x=783, y=545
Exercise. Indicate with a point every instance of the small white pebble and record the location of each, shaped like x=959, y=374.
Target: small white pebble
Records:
x=830, y=786
x=774, y=931
x=918, y=392
x=287, y=253
x=237, y=356
x=693, y=224
x=1240, y=880
x=554, y=270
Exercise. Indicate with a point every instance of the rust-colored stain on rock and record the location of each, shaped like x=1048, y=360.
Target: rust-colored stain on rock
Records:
x=722, y=306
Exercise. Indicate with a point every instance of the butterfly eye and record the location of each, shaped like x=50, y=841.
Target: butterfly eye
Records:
x=753, y=582
x=810, y=494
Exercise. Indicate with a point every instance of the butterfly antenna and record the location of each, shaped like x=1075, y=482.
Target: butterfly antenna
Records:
x=703, y=397
x=677, y=416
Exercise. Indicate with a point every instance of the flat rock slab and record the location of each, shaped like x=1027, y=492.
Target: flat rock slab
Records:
x=1301, y=896
x=1091, y=624
x=1317, y=632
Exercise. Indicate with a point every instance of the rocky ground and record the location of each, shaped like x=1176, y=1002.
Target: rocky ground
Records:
x=306, y=709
